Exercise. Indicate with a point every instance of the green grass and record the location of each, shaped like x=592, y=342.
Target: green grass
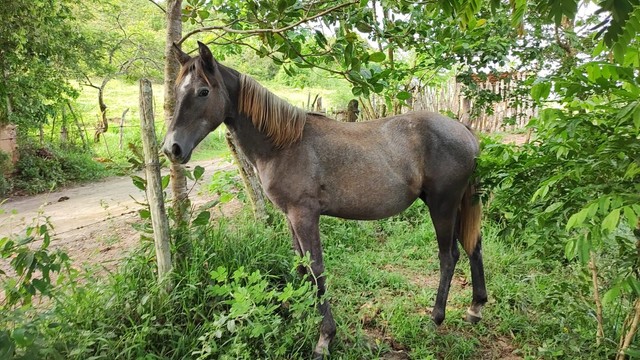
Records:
x=382, y=283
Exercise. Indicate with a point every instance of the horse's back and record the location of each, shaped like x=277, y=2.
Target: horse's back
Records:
x=377, y=168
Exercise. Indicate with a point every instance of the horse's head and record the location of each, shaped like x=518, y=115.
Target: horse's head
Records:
x=202, y=103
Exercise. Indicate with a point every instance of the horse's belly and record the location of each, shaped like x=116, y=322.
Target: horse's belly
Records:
x=369, y=204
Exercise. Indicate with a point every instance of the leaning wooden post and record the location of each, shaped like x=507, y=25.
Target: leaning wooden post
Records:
x=250, y=179
x=154, y=184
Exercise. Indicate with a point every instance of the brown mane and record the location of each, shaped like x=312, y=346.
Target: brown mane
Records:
x=282, y=122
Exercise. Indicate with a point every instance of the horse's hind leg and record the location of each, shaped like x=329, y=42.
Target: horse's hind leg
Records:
x=479, y=288
x=443, y=209
x=304, y=225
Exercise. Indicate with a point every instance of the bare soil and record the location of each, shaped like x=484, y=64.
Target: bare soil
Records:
x=92, y=222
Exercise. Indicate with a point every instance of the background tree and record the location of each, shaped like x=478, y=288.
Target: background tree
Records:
x=38, y=52
x=126, y=41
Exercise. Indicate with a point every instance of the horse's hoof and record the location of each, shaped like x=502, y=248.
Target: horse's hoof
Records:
x=319, y=356
x=437, y=317
x=473, y=318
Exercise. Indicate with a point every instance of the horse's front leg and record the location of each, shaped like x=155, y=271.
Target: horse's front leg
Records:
x=304, y=225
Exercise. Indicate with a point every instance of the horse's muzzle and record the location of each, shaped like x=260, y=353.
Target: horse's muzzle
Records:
x=175, y=153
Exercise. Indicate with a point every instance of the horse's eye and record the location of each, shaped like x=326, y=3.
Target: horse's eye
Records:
x=203, y=92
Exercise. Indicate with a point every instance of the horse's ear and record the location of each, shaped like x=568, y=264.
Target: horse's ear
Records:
x=206, y=56
x=180, y=55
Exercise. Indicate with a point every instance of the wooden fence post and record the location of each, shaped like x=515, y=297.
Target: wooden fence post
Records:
x=122, y=126
x=154, y=185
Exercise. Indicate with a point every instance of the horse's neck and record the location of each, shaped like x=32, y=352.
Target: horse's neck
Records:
x=254, y=144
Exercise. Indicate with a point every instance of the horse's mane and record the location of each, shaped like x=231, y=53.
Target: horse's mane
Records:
x=282, y=122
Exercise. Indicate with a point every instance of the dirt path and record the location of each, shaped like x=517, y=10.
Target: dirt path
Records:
x=92, y=222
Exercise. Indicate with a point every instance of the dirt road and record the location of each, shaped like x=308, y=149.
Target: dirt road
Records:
x=92, y=222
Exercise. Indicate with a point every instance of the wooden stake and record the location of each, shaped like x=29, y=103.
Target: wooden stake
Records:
x=154, y=185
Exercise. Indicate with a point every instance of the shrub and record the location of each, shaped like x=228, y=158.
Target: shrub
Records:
x=44, y=168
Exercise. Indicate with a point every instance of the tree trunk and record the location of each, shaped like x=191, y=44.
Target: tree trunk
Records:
x=103, y=124
x=80, y=128
x=181, y=202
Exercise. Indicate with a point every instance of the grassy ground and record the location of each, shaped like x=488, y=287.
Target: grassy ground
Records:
x=382, y=283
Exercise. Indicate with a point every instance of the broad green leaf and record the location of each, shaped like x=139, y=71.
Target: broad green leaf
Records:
x=403, y=95
x=540, y=91
x=634, y=285
x=553, y=207
x=377, y=57
x=618, y=52
x=165, y=181
x=611, y=295
x=570, y=249
x=541, y=192
x=144, y=214
x=577, y=219
x=584, y=247
x=202, y=219
x=631, y=216
x=139, y=182
x=636, y=118
x=203, y=14
x=197, y=172
x=610, y=222
x=22, y=337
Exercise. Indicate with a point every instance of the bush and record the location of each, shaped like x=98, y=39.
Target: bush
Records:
x=230, y=301
x=44, y=168
x=5, y=170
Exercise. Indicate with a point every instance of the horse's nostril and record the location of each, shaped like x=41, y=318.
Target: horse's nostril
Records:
x=175, y=150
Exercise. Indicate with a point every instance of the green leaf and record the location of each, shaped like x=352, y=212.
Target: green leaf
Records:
x=636, y=118
x=144, y=213
x=541, y=192
x=377, y=56
x=631, y=216
x=165, y=181
x=197, y=172
x=403, y=95
x=553, y=207
x=577, y=219
x=202, y=219
x=139, y=182
x=618, y=52
x=611, y=295
x=570, y=249
x=610, y=222
x=22, y=337
x=540, y=91
x=7, y=346
x=204, y=14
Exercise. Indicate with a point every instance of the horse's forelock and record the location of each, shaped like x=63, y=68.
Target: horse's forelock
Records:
x=193, y=65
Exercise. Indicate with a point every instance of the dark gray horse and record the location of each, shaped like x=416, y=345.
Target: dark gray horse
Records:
x=310, y=165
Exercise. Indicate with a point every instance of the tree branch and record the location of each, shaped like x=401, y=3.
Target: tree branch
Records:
x=158, y=5
x=262, y=31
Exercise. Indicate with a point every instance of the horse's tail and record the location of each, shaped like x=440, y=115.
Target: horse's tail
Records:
x=470, y=218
